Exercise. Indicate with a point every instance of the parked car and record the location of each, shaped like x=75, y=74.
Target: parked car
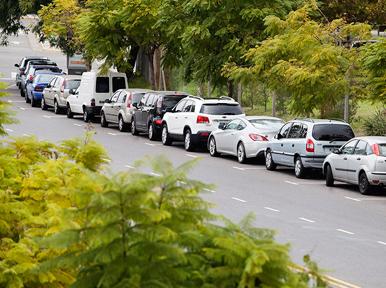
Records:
x=93, y=92
x=244, y=137
x=119, y=109
x=151, y=109
x=361, y=161
x=35, y=88
x=56, y=93
x=32, y=71
x=29, y=68
x=194, y=118
x=22, y=66
x=305, y=143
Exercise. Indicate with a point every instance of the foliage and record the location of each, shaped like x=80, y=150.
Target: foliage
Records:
x=374, y=61
x=376, y=124
x=5, y=113
x=302, y=58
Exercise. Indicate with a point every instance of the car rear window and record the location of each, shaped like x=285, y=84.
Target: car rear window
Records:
x=72, y=84
x=169, y=101
x=382, y=149
x=119, y=83
x=221, y=109
x=52, y=69
x=102, y=85
x=137, y=97
x=44, y=78
x=331, y=132
x=271, y=123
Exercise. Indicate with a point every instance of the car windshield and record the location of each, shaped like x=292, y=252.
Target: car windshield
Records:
x=221, y=109
x=382, y=149
x=72, y=84
x=47, y=69
x=44, y=78
x=137, y=97
x=269, y=123
x=332, y=132
x=171, y=101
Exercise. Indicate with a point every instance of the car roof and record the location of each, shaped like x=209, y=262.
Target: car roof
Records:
x=169, y=93
x=262, y=117
x=138, y=90
x=373, y=139
x=319, y=121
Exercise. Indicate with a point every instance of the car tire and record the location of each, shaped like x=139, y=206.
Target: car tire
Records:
x=87, y=117
x=188, y=140
x=33, y=101
x=152, y=132
x=329, y=176
x=69, y=112
x=104, y=122
x=165, y=137
x=364, y=184
x=22, y=92
x=122, y=126
x=133, y=129
x=300, y=171
x=269, y=164
x=27, y=100
x=212, y=147
x=43, y=104
x=57, y=109
x=241, y=157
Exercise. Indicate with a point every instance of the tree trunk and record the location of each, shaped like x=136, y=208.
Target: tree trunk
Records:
x=274, y=104
x=157, y=68
x=346, y=108
x=150, y=56
x=230, y=88
x=132, y=60
x=239, y=92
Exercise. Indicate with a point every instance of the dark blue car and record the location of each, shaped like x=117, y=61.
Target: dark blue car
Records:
x=35, y=88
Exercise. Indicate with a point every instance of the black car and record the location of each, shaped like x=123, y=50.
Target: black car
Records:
x=23, y=65
x=30, y=74
x=150, y=110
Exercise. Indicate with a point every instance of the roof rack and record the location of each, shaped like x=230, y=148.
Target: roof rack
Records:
x=226, y=98
x=305, y=119
x=196, y=97
x=337, y=119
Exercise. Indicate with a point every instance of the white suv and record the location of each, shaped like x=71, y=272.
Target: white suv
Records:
x=194, y=118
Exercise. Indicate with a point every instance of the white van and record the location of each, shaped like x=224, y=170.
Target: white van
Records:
x=92, y=93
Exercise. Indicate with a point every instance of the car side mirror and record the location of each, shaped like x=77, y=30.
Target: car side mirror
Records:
x=135, y=105
x=336, y=151
x=71, y=91
x=17, y=65
x=222, y=126
x=48, y=86
x=107, y=101
x=278, y=136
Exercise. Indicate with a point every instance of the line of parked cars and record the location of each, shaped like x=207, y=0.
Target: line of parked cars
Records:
x=217, y=124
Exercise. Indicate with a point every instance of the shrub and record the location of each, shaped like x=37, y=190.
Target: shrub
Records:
x=376, y=125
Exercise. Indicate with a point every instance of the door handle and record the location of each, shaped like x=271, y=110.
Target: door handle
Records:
x=293, y=145
x=186, y=117
x=281, y=145
x=358, y=158
x=345, y=158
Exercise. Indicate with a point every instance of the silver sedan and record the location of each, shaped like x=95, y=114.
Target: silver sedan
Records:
x=244, y=137
x=361, y=161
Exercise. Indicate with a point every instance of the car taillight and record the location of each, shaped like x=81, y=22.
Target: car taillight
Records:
x=62, y=87
x=375, y=148
x=310, y=146
x=202, y=119
x=39, y=88
x=92, y=102
x=257, y=137
x=157, y=121
x=31, y=78
x=129, y=100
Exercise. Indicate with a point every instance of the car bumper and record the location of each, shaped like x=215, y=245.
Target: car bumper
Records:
x=313, y=162
x=94, y=110
x=201, y=137
x=255, y=149
x=37, y=95
x=377, y=178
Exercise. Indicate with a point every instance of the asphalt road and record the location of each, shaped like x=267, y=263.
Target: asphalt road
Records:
x=342, y=230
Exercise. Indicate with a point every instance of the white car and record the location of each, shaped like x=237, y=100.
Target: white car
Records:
x=194, y=118
x=361, y=161
x=244, y=137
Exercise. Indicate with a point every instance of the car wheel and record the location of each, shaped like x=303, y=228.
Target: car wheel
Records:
x=269, y=164
x=152, y=132
x=165, y=138
x=122, y=126
x=43, y=104
x=134, y=130
x=104, y=122
x=56, y=107
x=188, y=140
x=364, y=185
x=329, y=176
x=299, y=168
x=69, y=112
x=27, y=100
x=33, y=101
x=22, y=92
x=86, y=116
x=212, y=147
x=241, y=153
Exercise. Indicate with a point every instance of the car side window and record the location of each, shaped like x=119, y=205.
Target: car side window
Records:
x=102, y=85
x=284, y=130
x=349, y=147
x=188, y=106
x=361, y=148
x=122, y=97
x=52, y=83
x=232, y=125
x=143, y=100
x=115, y=96
x=149, y=101
x=58, y=82
x=241, y=126
x=180, y=106
x=303, y=133
x=155, y=100
x=295, y=131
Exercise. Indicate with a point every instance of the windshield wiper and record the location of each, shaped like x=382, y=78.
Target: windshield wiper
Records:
x=339, y=138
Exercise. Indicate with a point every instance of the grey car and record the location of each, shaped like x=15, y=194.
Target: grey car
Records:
x=119, y=109
x=56, y=93
x=305, y=143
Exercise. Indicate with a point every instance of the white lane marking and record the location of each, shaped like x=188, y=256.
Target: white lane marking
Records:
x=208, y=190
x=128, y=166
x=255, y=168
x=8, y=130
x=290, y=182
x=26, y=135
x=112, y=134
x=11, y=86
x=381, y=242
x=54, y=116
x=191, y=155
x=22, y=108
x=353, y=199
x=155, y=174
x=238, y=168
x=16, y=101
x=310, y=183
x=345, y=231
x=307, y=220
x=6, y=79
x=79, y=125
x=149, y=144
x=238, y=199
x=271, y=209
x=373, y=199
